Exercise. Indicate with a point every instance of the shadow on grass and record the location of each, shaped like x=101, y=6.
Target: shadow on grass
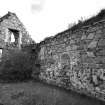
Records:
x=74, y=93
x=36, y=92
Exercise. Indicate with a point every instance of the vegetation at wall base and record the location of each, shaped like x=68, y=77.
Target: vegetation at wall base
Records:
x=17, y=66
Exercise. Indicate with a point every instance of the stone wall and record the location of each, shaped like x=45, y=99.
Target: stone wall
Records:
x=10, y=24
x=12, y=34
x=76, y=59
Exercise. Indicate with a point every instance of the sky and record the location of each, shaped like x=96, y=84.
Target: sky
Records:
x=44, y=18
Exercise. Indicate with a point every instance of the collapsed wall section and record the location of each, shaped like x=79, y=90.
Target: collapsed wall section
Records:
x=76, y=60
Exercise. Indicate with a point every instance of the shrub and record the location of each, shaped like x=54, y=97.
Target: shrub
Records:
x=17, y=66
x=36, y=71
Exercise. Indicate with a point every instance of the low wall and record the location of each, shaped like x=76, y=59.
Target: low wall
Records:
x=76, y=60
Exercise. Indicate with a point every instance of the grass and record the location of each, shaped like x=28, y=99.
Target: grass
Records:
x=35, y=93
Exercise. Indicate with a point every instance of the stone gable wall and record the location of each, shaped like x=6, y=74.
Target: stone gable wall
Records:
x=11, y=21
x=76, y=60
x=11, y=25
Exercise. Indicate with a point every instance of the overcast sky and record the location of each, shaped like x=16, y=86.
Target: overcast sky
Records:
x=43, y=18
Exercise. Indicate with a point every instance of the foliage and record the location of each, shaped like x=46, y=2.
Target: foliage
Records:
x=17, y=65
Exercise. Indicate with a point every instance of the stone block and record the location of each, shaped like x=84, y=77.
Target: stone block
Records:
x=90, y=36
x=86, y=59
x=97, y=36
x=68, y=48
x=72, y=41
x=93, y=44
x=101, y=42
x=83, y=37
x=74, y=47
x=99, y=59
x=99, y=31
x=101, y=52
x=91, y=29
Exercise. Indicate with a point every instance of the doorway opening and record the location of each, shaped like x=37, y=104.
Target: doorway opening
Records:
x=14, y=36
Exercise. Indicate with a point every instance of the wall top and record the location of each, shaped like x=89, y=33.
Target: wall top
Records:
x=100, y=17
x=7, y=16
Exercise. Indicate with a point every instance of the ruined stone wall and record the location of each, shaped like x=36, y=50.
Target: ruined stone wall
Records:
x=10, y=25
x=11, y=21
x=76, y=60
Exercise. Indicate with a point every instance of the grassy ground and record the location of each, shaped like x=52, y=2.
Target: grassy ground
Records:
x=35, y=93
